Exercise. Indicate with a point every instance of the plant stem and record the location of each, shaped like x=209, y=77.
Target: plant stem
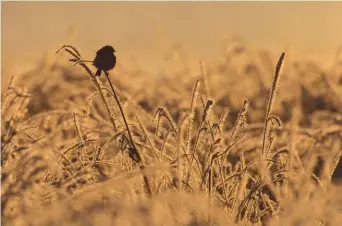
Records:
x=139, y=159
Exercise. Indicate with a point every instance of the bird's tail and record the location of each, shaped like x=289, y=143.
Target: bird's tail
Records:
x=98, y=72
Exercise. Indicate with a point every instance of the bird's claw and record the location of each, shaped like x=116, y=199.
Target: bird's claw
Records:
x=73, y=60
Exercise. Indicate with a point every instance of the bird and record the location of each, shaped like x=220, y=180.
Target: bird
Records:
x=105, y=59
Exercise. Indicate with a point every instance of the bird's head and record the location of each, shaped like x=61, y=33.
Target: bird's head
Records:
x=107, y=49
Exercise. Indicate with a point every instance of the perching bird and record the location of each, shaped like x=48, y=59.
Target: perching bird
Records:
x=105, y=60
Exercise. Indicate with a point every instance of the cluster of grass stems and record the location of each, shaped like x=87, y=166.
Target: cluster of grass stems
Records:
x=188, y=155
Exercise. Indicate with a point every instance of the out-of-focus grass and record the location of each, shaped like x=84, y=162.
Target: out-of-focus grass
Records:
x=209, y=155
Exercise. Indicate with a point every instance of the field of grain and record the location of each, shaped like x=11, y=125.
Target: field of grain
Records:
x=252, y=138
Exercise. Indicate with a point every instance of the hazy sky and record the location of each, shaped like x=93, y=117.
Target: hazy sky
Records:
x=144, y=30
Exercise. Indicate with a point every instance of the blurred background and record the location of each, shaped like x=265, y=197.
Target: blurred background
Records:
x=141, y=32
x=163, y=48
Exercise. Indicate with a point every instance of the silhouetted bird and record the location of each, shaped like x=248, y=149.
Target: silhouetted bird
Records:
x=105, y=60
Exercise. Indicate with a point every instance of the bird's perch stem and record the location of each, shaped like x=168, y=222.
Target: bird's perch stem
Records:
x=142, y=167
x=79, y=60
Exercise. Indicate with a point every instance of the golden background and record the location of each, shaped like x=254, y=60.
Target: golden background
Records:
x=142, y=31
x=196, y=125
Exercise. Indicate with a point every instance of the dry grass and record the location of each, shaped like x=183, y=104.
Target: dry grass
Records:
x=215, y=147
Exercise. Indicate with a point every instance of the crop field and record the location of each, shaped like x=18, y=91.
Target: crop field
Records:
x=252, y=138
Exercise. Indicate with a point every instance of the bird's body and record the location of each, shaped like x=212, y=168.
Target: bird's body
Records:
x=105, y=60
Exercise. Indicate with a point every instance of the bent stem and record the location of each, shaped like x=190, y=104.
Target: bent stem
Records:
x=80, y=61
